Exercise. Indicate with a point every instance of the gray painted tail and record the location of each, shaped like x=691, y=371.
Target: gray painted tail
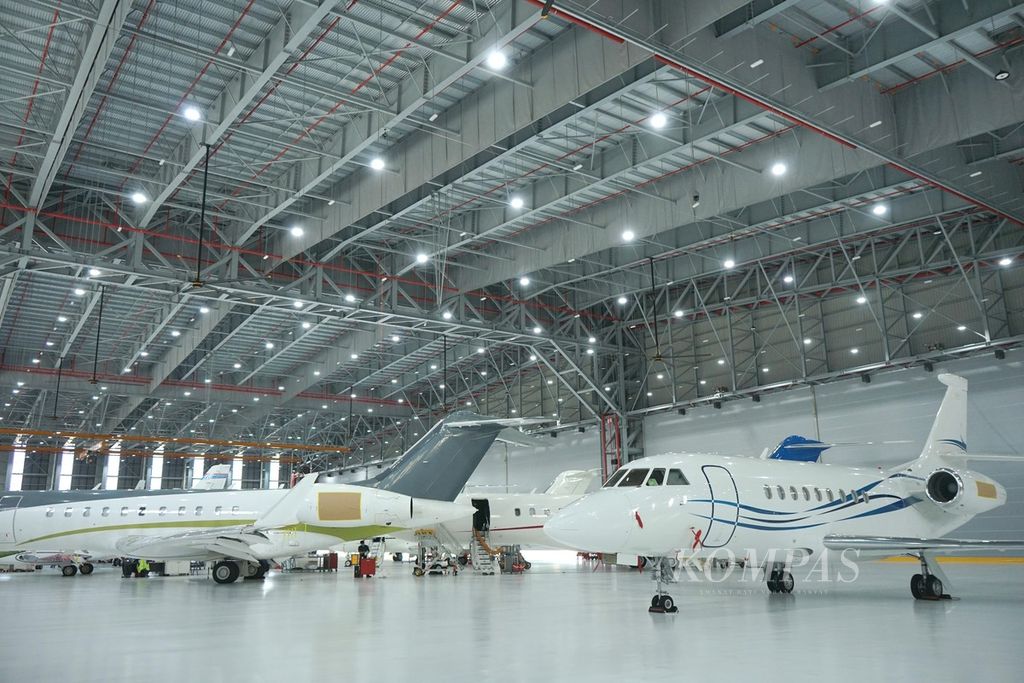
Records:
x=441, y=462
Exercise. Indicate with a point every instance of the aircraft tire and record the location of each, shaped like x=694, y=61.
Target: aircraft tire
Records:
x=226, y=571
x=69, y=570
x=86, y=568
x=667, y=603
x=933, y=586
x=785, y=583
x=917, y=586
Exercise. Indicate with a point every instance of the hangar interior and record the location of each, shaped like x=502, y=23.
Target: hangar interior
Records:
x=292, y=235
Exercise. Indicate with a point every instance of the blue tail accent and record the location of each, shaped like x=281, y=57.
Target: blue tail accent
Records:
x=799, y=449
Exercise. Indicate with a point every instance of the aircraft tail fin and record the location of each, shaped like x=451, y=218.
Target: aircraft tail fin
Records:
x=948, y=436
x=798, y=448
x=440, y=463
x=217, y=477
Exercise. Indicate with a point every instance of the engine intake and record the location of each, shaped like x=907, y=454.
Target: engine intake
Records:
x=944, y=486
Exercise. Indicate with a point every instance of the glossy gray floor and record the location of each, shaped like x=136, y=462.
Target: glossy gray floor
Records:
x=557, y=623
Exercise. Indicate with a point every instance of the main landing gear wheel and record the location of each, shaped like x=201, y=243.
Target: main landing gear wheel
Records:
x=780, y=581
x=226, y=571
x=255, y=571
x=926, y=587
x=69, y=570
x=85, y=568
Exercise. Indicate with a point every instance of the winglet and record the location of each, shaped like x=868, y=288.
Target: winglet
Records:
x=285, y=511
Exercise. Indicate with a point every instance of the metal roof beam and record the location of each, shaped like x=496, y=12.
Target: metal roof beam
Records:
x=284, y=39
x=92, y=58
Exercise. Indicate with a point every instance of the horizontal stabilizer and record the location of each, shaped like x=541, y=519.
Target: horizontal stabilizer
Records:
x=990, y=457
x=896, y=544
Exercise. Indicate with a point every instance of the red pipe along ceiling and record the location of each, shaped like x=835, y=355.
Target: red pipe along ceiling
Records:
x=799, y=120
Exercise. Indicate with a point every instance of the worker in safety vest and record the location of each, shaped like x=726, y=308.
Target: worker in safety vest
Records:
x=142, y=568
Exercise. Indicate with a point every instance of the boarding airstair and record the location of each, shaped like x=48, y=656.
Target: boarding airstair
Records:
x=482, y=555
x=378, y=549
x=435, y=547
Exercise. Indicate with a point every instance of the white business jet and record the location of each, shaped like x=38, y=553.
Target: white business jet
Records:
x=679, y=506
x=241, y=530
x=216, y=478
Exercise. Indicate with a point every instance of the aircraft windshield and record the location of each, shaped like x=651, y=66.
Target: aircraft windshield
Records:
x=614, y=479
x=634, y=478
x=676, y=478
x=657, y=477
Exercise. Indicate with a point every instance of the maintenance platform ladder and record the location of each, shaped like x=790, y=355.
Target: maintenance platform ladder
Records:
x=377, y=549
x=482, y=556
x=438, y=540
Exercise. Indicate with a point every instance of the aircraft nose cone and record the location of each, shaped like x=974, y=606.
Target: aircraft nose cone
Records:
x=584, y=526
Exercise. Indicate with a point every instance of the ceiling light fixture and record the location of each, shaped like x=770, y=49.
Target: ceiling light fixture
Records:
x=623, y=301
x=537, y=330
x=787, y=279
x=679, y=313
x=192, y=113
x=524, y=281
x=756, y=63
x=729, y=263
x=879, y=209
x=778, y=169
x=975, y=174
x=1001, y=75
x=139, y=198
x=628, y=235
x=1005, y=261
x=377, y=164
x=862, y=299
x=497, y=60
x=296, y=231
x=658, y=120
x=447, y=315
x=516, y=202
x=422, y=258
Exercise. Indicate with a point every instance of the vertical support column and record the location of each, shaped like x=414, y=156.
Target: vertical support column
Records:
x=17, y=468
x=237, y=464
x=274, y=472
x=156, y=469
x=611, y=445
x=66, y=467
x=113, y=470
x=198, y=469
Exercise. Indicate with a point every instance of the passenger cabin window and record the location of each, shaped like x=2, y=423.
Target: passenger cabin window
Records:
x=828, y=494
x=199, y=510
x=677, y=478
x=792, y=492
x=807, y=493
x=181, y=511
x=49, y=512
x=781, y=491
x=817, y=494
x=518, y=512
x=634, y=477
x=533, y=511
x=657, y=477
x=842, y=495
x=865, y=497
x=85, y=511
x=767, y=491
x=614, y=479
x=105, y=512
x=67, y=512
x=124, y=512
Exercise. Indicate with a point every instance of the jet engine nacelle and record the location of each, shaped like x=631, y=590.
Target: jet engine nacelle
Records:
x=962, y=491
x=334, y=505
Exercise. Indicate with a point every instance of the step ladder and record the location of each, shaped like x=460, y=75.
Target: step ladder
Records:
x=482, y=556
x=378, y=549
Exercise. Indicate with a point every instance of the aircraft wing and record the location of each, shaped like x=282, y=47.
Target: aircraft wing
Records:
x=52, y=558
x=901, y=545
x=235, y=542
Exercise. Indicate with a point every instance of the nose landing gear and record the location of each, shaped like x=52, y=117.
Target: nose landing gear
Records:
x=780, y=580
x=664, y=572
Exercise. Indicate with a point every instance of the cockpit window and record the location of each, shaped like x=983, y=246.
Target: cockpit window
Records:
x=634, y=477
x=677, y=478
x=657, y=477
x=614, y=479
